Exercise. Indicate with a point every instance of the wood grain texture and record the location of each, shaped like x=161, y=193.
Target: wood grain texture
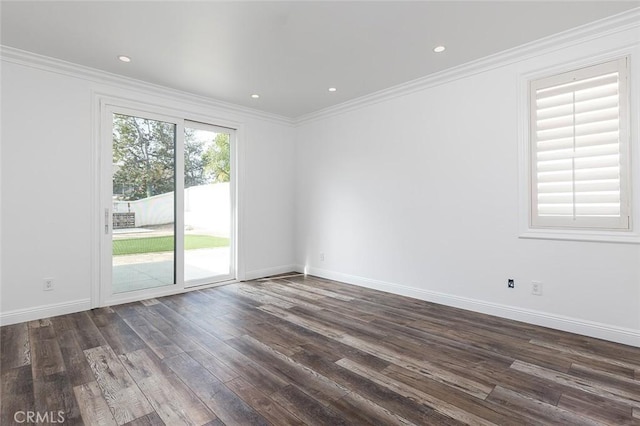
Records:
x=315, y=383
x=361, y=410
x=93, y=407
x=86, y=332
x=260, y=402
x=541, y=412
x=295, y=350
x=53, y=393
x=310, y=410
x=152, y=419
x=118, y=335
x=216, y=367
x=228, y=406
x=17, y=393
x=168, y=329
x=69, y=337
x=46, y=357
x=124, y=398
x=598, y=408
x=624, y=395
x=371, y=392
x=577, y=352
x=169, y=396
x=161, y=345
x=15, y=350
x=398, y=387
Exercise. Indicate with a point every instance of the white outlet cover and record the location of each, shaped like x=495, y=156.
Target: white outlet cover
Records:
x=536, y=288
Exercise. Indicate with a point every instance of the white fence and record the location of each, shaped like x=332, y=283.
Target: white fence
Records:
x=206, y=207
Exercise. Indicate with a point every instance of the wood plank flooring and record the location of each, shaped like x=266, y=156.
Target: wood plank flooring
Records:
x=298, y=350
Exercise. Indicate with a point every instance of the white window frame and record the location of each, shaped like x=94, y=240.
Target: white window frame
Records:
x=627, y=231
x=102, y=105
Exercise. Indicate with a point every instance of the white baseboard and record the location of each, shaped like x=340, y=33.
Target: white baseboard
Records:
x=623, y=335
x=45, y=311
x=261, y=273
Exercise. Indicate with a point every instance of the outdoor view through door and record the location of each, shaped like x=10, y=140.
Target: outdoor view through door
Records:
x=143, y=203
x=146, y=221
x=207, y=202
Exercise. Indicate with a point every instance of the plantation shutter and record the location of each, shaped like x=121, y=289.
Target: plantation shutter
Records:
x=579, y=143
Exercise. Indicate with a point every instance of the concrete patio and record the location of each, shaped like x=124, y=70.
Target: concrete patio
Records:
x=140, y=271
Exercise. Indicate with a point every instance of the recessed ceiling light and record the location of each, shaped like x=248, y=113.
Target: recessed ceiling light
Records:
x=124, y=58
x=255, y=96
x=439, y=49
x=332, y=89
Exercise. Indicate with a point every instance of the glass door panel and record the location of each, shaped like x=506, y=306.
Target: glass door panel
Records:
x=207, y=203
x=143, y=218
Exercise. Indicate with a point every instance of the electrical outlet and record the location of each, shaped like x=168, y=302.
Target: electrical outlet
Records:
x=536, y=288
x=48, y=284
x=511, y=283
x=321, y=257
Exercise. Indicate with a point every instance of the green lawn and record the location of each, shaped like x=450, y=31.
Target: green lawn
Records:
x=159, y=244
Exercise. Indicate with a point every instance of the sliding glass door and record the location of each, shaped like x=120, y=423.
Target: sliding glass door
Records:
x=207, y=203
x=143, y=203
x=168, y=203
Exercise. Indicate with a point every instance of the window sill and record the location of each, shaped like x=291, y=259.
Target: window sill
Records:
x=622, y=237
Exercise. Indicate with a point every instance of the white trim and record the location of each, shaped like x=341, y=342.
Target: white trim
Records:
x=1, y=210
x=169, y=290
x=105, y=104
x=261, y=273
x=623, y=237
x=241, y=143
x=525, y=230
x=233, y=186
x=44, y=311
x=58, y=66
x=623, y=335
x=611, y=25
x=178, y=205
x=232, y=275
x=607, y=26
x=622, y=222
x=95, y=208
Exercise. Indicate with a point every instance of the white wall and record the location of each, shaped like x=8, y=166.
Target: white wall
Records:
x=47, y=166
x=418, y=195
x=46, y=163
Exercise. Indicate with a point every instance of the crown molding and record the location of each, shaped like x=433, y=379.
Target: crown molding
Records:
x=601, y=28
x=611, y=25
x=58, y=66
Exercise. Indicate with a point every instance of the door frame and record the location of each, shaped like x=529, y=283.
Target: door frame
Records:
x=103, y=106
x=232, y=189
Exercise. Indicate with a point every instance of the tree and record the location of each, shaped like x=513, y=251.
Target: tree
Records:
x=144, y=151
x=194, y=164
x=217, y=159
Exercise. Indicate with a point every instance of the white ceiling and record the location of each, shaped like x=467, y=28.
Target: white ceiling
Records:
x=288, y=52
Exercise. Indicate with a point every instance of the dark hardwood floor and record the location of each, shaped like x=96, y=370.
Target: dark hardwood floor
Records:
x=298, y=350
